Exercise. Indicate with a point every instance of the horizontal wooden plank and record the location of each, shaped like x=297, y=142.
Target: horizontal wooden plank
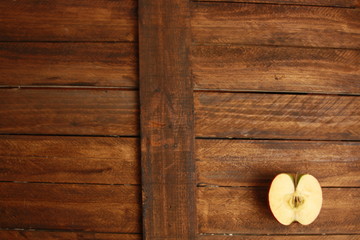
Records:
x=277, y=116
x=95, y=208
x=275, y=25
x=70, y=159
x=74, y=64
x=276, y=69
x=329, y=3
x=60, y=111
x=256, y=163
x=246, y=211
x=62, y=20
x=53, y=235
x=291, y=237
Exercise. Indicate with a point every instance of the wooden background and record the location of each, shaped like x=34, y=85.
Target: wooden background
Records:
x=231, y=93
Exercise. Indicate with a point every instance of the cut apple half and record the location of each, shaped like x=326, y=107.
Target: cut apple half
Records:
x=295, y=198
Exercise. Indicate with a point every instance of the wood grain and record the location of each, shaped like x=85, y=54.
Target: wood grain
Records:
x=62, y=20
x=246, y=211
x=167, y=121
x=256, y=163
x=68, y=111
x=329, y=3
x=71, y=64
x=264, y=24
x=53, y=235
x=276, y=69
x=95, y=208
x=291, y=237
x=70, y=159
x=277, y=116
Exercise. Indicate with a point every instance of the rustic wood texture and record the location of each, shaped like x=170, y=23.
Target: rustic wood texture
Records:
x=167, y=139
x=102, y=160
x=329, y=3
x=277, y=116
x=63, y=20
x=94, y=208
x=73, y=64
x=67, y=111
x=53, y=235
x=288, y=237
x=276, y=69
x=246, y=211
x=264, y=24
x=255, y=163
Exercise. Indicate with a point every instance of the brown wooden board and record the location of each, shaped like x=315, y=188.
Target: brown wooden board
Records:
x=105, y=160
x=167, y=136
x=276, y=69
x=264, y=24
x=53, y=235
x=94, y=208
x=287, y=237
x=63, y=20
x=329, y=3
x=68, y=111
x=277, y=116
x=246, y=211
x=255, y=163
x=71, y=64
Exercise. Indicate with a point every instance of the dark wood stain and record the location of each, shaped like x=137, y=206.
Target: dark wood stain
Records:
x=256, y=163
x=70, y=112
x=246, y=211
x=276, y=69
x=62, y=20
x=166, y=120
x=70, y=159
x=264, y=24
x=276, y=237
x=71, y=64
x=94, y=208
x=277, y=116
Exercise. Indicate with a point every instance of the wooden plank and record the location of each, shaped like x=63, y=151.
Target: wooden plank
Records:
x=94, y=208
x=70, y=159
x=329, y=3
x=276, y=69
x=256, y=163
x=264, y=24
x=291, y=237
x=47, y=235
x=60, y=111
x=277, y=116
x=167, y=136
x=62, y=20
x=74, y=64
x=246, y=211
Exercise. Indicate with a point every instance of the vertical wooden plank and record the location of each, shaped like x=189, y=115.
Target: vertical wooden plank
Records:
x=166, y=120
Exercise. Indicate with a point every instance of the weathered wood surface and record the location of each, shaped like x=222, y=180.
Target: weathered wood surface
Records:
x=94, y=208
x=53, y=235
x=255, y=163
x=288, y=237
x=276, y=69
x=63, y=20
x=246, y=211
x=277, y=116
x=71, y=64
x=70, y=159
x=167, y=137
x=329, y=3
x=264, y=24
x=68, y=111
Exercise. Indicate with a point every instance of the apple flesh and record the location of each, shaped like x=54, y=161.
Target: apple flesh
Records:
x=295, y=198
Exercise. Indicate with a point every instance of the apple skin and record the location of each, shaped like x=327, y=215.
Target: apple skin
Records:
x=295, y=198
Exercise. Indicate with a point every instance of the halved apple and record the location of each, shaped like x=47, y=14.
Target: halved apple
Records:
x=294, y=197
